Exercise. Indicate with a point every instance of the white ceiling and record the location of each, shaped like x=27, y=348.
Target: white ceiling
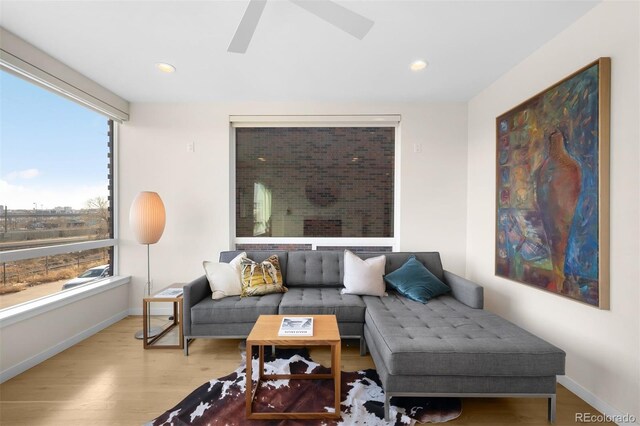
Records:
x=294, y=56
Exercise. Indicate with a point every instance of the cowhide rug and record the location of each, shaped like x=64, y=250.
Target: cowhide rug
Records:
x=222, y=401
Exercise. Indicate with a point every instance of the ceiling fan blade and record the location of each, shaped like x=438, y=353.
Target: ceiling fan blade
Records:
x=247, y=26
x=343, y=18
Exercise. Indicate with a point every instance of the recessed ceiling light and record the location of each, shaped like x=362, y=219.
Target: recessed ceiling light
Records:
x=354, y=159
x=168, y=68
x=418, y=65
x=262, y=159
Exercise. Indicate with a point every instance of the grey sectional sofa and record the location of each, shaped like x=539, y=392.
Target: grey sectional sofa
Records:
x=448, y=347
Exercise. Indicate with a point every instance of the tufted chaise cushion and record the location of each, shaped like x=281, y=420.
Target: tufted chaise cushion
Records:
x=445, y=337
x=328, y=301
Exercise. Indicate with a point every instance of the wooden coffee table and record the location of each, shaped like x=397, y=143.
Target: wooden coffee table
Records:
x=265, y=333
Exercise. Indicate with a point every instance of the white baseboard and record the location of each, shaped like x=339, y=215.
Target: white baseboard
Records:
x=56, y=349
x=596, y=402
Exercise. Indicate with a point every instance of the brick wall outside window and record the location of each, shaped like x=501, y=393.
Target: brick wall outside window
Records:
x=322, y=182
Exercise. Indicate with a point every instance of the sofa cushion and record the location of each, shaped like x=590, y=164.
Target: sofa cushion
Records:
x=315, y=268
x=415, y=281
x=234, y=309
x=329, y=301
x=225, y=279
x=261, y=278
x=259, y=256
x=431, y=260
x=326, y=267
x=363, y=277
x=446, y=337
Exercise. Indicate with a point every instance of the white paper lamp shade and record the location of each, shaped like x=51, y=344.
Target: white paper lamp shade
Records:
x=147, y=217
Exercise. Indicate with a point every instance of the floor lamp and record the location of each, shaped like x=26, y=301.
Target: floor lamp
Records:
x=147, y=220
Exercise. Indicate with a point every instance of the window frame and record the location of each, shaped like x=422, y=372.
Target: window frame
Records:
x=365, y=120
x=18, y=312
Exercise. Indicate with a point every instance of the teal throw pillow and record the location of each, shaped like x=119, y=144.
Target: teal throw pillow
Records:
x=416, y=282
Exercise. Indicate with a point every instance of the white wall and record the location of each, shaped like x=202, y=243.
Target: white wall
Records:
x=603, y=347
x=195, y=186
x=30, y=341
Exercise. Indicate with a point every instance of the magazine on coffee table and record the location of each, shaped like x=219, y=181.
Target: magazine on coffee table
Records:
x=296, y=326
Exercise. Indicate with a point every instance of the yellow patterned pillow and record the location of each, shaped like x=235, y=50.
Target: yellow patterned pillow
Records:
x=261, y=278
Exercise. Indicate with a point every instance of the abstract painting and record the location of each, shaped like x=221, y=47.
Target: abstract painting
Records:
x=552, y=188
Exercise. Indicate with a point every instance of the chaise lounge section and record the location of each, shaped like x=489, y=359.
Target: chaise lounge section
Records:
x=450, y=346
x=445, y=348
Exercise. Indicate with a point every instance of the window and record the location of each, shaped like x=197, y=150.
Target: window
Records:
x=314, y=182
x=56, y=192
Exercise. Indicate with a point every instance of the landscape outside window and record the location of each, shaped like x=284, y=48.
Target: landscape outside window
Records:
x=315, y=182
x=55, y=189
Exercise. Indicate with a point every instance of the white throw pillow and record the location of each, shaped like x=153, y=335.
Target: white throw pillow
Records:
x=363, y=277
x=225, y=279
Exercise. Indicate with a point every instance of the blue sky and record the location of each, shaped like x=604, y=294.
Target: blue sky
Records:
x=53, y=151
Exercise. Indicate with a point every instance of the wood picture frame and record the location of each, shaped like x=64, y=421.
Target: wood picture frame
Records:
x=552, y=188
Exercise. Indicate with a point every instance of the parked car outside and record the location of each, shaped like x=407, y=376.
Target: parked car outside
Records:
x=87, y=276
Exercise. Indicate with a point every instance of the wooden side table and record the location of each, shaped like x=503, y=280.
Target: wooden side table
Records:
x=148, y=342
x=265, y=333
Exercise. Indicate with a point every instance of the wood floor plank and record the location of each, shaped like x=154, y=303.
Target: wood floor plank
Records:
x=108, y=379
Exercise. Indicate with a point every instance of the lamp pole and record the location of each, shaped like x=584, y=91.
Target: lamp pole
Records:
x=148, y=271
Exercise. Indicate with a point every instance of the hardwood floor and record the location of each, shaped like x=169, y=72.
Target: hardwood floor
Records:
x=108, y=379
